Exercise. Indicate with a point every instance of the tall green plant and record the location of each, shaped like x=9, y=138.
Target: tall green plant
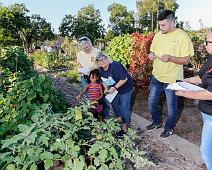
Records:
x=16, y=61
x=119, y=49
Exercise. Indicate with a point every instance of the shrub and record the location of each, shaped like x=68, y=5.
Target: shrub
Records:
x=14, y=60
x=141, y=66
x=77, y=142
x=119, y=49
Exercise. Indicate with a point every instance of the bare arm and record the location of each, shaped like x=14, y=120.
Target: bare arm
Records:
x=201, y=95
x=82, y=93
x=176, y=60
x=119, y=84
x=194, y=80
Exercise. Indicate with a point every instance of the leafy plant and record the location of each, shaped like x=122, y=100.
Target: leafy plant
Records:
x=78, y=143
x=72, y=74
x=199, y=50
x=20, y=101
x=119, y=49
x=51, y=60
x=141, y=66
x=15, y=60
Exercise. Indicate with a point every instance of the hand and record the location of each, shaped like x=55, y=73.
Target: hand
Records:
x=112, y=89
x=165, y=58
x=152, y=56
x=78, y=97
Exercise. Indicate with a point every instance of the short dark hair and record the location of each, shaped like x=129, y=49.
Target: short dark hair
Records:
x=166, y=14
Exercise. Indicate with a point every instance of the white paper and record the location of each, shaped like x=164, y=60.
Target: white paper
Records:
x=84, y=70
x=111, y=96
x=184, y=86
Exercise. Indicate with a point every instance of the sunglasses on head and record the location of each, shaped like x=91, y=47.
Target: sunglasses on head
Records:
x=83, y=39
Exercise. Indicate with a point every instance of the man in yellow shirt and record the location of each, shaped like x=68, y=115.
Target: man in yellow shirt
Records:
x=171, y=48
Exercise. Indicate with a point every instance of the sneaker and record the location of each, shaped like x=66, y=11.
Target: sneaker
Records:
x=166, y=134
x=120, y=134
x=153, y=126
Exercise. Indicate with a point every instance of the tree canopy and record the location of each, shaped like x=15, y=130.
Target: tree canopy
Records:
x=86, y=23
x=121, y=21
x=17, y=28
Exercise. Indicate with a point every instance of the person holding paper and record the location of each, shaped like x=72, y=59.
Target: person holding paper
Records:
x=115, y=76
x=205, y=101
x=171, y=48
x=86, y=59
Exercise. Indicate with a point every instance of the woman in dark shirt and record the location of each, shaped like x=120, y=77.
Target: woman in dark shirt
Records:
x=205, y=101
x=115, y=77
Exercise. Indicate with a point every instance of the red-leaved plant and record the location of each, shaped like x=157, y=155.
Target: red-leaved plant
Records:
x=141, y=66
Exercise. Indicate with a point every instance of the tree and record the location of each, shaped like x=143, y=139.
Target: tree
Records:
x=68, y=25
x=40, y=29
x=121, y=21
x=86, y=23
x=17, y=28
x=148, y=11
x=13, y=21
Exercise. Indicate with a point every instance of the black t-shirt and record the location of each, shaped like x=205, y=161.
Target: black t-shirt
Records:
x=205, y=106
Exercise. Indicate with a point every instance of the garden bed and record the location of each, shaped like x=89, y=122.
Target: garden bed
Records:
x=166, y=158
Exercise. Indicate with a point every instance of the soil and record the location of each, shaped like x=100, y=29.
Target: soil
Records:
x=189, y=125
x=166, y=158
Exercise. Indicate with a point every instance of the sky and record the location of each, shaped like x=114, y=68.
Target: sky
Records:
x=55, y=10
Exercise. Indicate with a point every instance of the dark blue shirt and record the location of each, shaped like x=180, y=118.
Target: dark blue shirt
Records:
x=114, y=74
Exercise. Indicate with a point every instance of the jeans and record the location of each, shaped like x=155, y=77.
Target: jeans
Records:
x=206, y=141
x=83, y=82
x=121, y=106
x=106, y=109
x=156, y=89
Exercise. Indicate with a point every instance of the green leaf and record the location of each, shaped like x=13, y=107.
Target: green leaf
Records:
x=103, y=154
x=44, y=139
x=45, y=97
x=31, y=95
x=57, y=145
x=103, y=167
x=48, y=163
x=91, y=167
x=33, y=167
x=46, y=155
x=94, y=149
x=10, y=167
x=30, y=152
x=96, y=161
x=2, y=155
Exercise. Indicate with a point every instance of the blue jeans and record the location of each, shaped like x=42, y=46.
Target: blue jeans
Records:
x=121, y=106
x=156, y=89
x=106, y=109
x=83, y=82
x=206, y=141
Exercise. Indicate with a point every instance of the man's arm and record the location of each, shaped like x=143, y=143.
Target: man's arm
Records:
x=176, y=60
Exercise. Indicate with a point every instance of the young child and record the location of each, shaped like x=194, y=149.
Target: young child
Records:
x=95, y=93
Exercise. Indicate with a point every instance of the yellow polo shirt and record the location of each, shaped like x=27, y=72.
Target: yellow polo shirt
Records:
x=176, y=43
